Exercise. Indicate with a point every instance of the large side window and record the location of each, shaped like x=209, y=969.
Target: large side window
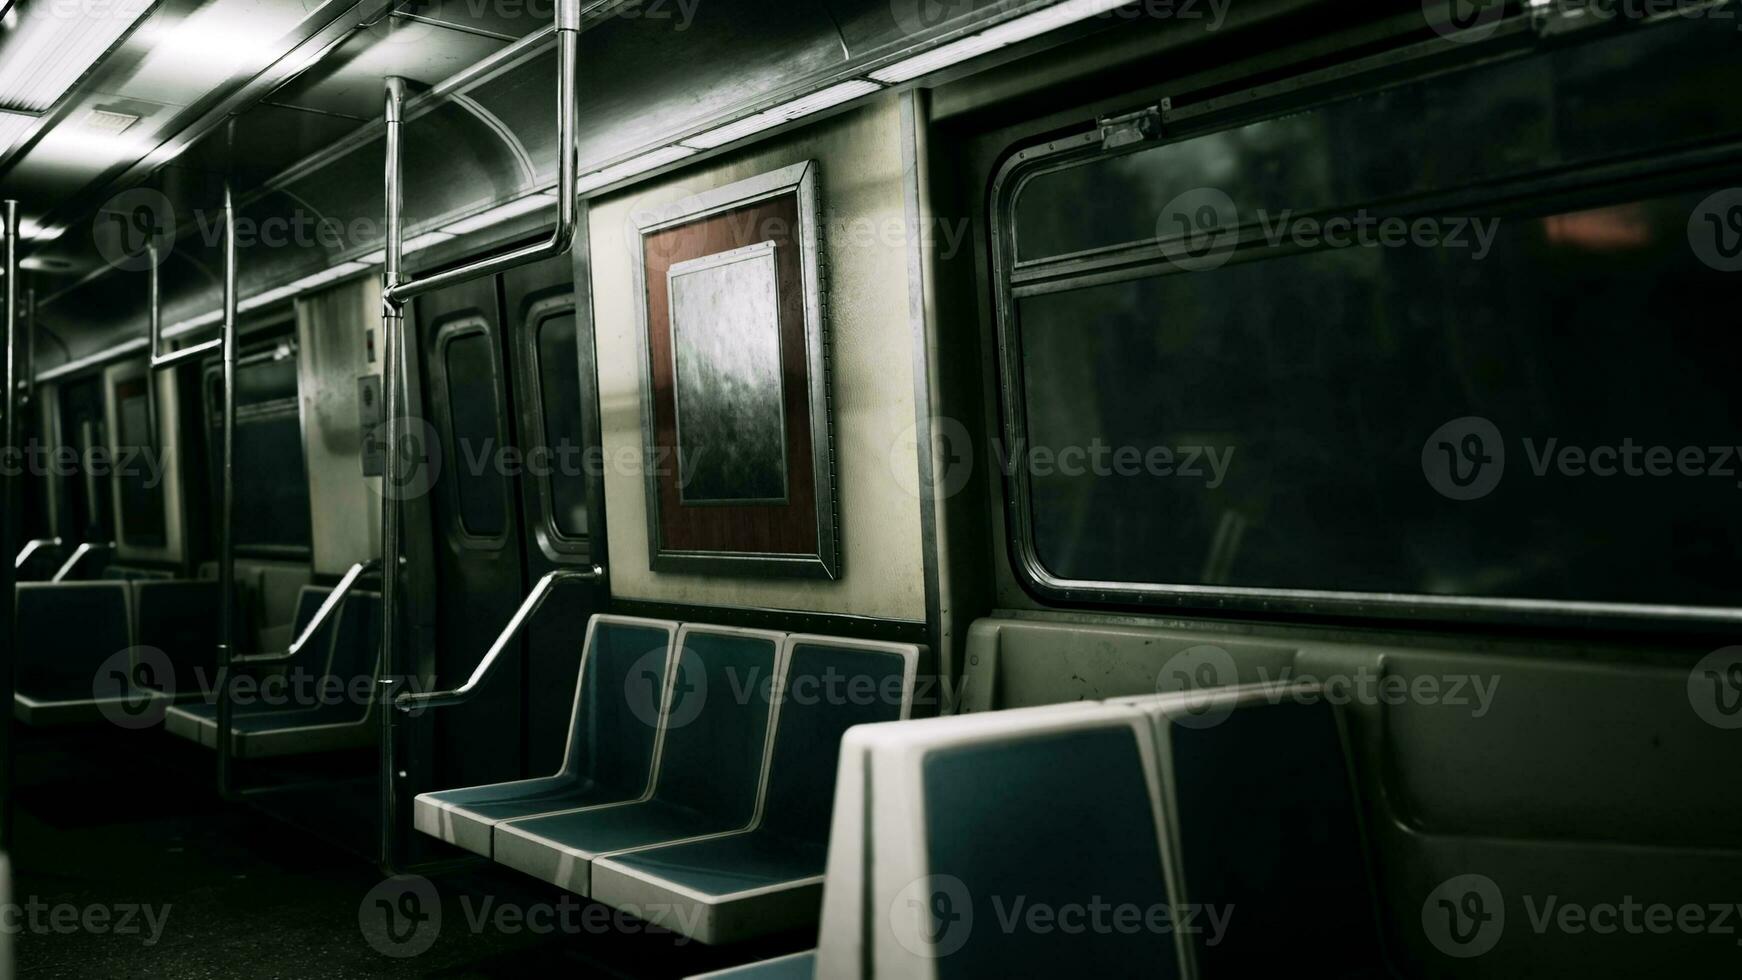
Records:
x=272, y=501
x=1464, y=338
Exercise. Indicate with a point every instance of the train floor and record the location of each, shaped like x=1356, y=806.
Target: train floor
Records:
x=126, y=863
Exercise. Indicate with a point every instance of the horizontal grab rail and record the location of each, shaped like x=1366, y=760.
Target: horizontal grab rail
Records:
x=409, y=701
x=78, y=555
x=339, y=594
x=33, y=546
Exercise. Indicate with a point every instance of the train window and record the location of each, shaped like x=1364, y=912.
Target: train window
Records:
x=141, y=494
x=559, y=390
x=468, y=361
x=1558, y=109
x=1516, y=391
x=272, y=499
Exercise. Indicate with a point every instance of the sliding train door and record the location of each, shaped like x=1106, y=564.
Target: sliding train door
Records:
x=551, y=350
x=508, y=408
x=477, y=574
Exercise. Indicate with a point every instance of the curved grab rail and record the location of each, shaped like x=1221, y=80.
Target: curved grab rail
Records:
x=337, y=598
x=159, y=360
x=397, y=291
x=409, y=701
x=31, y=547
x=78, y=555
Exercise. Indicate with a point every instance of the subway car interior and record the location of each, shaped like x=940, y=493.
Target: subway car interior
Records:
x=871, y=488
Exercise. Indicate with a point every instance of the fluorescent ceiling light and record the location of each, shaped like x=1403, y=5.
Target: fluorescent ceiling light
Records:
x=501, y=213
x=54, y=43
x=640, y=165
x=811, y=104
x=37, y=232
x=1010, y=32
x=418, y=244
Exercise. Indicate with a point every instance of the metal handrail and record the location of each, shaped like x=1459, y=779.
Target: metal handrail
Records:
x=339, y=594
x=9, y=497
x=409, y=701
x=31, y=547
x=398, y=292
x=78, y=555
x=154, y=332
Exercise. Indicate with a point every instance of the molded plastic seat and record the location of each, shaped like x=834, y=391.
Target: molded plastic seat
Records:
x=1266, y=814
x=768, y=879
x=613, y=737
x=339, y=667
x=66, y=632
x=712, y=755
x=965, y=824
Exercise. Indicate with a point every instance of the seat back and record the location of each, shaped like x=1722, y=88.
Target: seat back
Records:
x=613, y=729
x=828, y=686
x=1027, y=843
x=1265, y=812
x=355, y=647
x=65, y=632
x=718, y=703
x=180, y=618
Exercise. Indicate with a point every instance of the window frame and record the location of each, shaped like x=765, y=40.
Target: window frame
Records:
x=441, y=394
x=550, y=535
x=1013, y=277
x=263, y=345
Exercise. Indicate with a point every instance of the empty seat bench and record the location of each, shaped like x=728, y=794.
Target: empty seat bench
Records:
x=338, y=663
x=768, y=877
x=613, y=728
x=712, y=743
x=1218, y=833
x=67, y=632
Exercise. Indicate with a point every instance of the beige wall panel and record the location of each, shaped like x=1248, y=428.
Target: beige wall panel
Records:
x=865, y=311
x=345, y=508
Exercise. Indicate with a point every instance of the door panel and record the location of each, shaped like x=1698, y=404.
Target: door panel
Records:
x=551, y=348
x=478, y=576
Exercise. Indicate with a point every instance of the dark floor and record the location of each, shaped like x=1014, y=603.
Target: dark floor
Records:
x=119, y=833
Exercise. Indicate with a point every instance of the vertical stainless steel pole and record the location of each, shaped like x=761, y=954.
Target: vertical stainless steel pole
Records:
x=227, y=503
x=393, y=381
x=8, y=519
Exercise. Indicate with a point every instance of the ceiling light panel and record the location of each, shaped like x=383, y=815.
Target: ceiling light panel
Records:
x=54, y=43
x=1010, y=32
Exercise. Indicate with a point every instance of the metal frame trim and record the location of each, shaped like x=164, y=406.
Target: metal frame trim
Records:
x=799, y=179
